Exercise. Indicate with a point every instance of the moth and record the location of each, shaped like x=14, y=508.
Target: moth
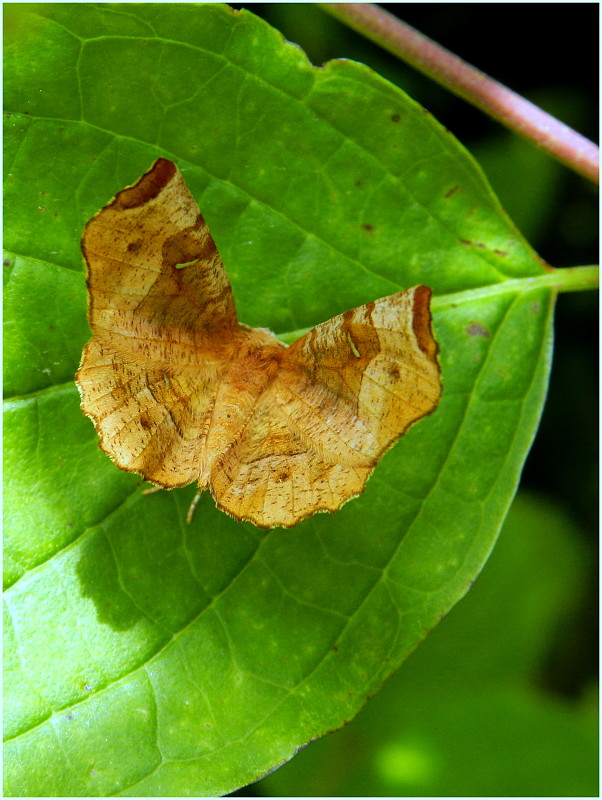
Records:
x=180, y=391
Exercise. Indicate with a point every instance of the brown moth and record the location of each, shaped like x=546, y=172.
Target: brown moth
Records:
x=180, y=391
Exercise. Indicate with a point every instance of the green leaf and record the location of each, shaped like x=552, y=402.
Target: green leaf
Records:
x=467, y=715
x=164, y=659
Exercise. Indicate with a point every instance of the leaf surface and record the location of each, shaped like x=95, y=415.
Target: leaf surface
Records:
x=163, y=659
x=471, y=712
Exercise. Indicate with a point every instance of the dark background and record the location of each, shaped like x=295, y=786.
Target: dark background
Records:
x=548, y=52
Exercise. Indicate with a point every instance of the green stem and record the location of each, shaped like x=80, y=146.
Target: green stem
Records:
x=495, y=99
x=566, y=279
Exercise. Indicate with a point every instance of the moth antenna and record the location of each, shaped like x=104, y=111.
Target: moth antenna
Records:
x=152, y=490
x=193, y=506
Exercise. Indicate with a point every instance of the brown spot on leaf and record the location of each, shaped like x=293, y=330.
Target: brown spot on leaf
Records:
x=476, y=329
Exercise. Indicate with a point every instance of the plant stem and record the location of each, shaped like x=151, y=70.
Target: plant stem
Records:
x=471, y=84
x=565, y=279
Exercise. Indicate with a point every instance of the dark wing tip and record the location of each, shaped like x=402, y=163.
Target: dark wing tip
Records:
x=422, y=322
x=148, y=187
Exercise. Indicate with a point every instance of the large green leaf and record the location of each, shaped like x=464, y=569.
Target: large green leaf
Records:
x=148, y=657
x=467, y=715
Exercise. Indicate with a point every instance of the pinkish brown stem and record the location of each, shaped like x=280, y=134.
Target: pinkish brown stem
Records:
x=471, y=84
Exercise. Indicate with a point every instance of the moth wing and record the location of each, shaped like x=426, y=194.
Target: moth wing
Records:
x=138, y=296
x=345, y=392
x=149, y=375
